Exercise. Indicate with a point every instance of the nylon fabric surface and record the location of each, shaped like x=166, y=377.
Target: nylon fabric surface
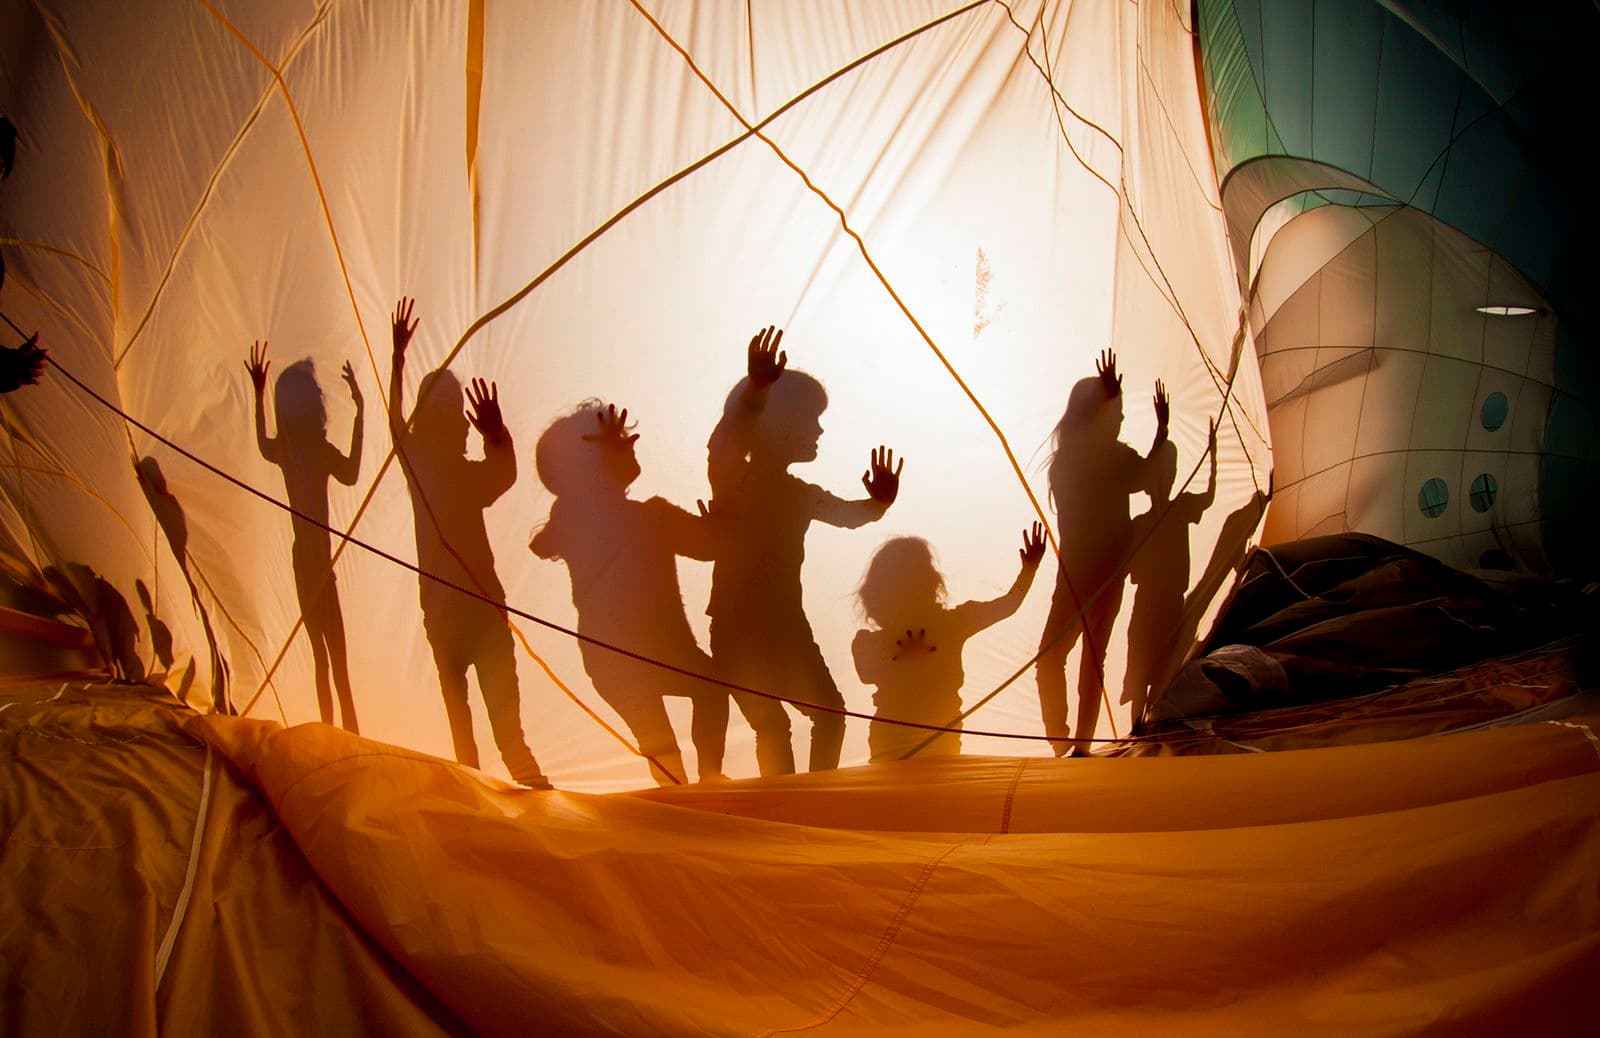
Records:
x=1252, y=914
x=113, y=856
x=588, y=201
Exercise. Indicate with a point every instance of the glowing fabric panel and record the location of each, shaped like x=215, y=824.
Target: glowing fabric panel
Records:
x=601, y=200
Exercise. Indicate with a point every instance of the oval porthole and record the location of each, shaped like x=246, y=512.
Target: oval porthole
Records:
x=1495, y=558
x=1482, y=494
x=1433, y=497
x=1495, y=409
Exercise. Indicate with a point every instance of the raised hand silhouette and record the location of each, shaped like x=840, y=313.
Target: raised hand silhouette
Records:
x=1105, y=367
x=402, y=327
x=1163, y=408
x=882, y=480
x=349, y=375
x=1032, y=550
x=483, y=411
x=613, y=428
x=257, y=365
x=764, y=363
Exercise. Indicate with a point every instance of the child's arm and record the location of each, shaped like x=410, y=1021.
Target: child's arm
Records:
x=882, y=481
x=1203, y=501
x=257, y=366
x=729, y=441
x=1145, y=473
x=972, y=617
x=870, y=651
x=1163, y=408
x=403, y=327
x=347, y=469
x=692, y=536
x=498, y=470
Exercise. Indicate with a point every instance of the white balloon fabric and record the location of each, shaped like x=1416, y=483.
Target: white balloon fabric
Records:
x=949, y=209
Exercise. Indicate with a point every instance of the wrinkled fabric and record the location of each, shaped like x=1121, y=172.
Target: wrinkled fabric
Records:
x=1438, y=886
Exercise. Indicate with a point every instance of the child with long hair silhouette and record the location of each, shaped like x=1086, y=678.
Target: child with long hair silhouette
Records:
x=1093, y=474
x=760, y=636
x=1160, y=570
x=449, y=493
x=621, y=556
x=918, y=674
x=301, y=449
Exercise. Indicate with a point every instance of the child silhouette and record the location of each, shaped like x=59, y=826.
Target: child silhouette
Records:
x=301, y=449
x=760, y=636
x=918, y=674
x=1092, y=476
x=449, y=493
x=621, y=556
x=1160, y=571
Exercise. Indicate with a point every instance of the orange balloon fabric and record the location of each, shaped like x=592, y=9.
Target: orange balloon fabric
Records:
x=1440, y=884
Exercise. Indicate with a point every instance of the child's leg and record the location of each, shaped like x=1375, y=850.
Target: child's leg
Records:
x=338, y=659
x=650, y=726
x=451, y=660
x=1061, y=630
x=709, y=730
x=827, y=741
x=319, y=664
x=746, y=662
x=495, y=658
x=827, y=729
x=769, y=720
x=1091, y=665
x=645, y=715
x=1142, y=638
x=308, y=575
x=453, y=686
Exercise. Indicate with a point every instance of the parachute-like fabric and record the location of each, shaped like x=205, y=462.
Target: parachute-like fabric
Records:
x=954, y=211
x=1343, y=891
x=950, y=210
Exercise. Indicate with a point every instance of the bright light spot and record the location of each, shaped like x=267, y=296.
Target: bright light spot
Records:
x=1507, y=311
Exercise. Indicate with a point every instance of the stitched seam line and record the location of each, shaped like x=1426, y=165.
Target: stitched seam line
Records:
x=1011, y=794
x=884, y=943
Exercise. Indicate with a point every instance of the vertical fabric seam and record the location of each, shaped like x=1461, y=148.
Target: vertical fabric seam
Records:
x=1011, y=794
x=179, y=910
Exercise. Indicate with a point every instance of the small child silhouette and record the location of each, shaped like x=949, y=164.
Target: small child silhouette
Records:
x=1160, y=569
x=760, y=636
x=621, y=556
x=449, y=494
x=301, y=449
x=918, y=674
